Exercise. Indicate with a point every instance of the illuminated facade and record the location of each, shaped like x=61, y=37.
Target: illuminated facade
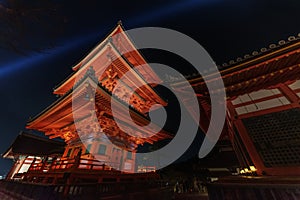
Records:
x=29, y=151
x=262, y=122
x=88, y=145
x=263, y=109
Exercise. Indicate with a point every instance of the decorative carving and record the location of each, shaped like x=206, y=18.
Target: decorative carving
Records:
x=140, y=104
x=111, y=79
x=122, y=93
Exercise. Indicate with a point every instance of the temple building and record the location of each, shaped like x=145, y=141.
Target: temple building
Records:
x=262, y=122
x=262, y=108
x=29, y=151
x=96, y=149
x=104, y=143
x=98, y=157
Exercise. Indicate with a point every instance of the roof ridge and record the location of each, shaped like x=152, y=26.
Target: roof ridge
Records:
x=104, y=40
x=256, y=53
x=290, y=41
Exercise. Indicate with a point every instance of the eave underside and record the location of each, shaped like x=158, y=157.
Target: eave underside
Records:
x=269, y=73
x=265, y=72
x=23, y=145
x=58, y=120
x=121, y=44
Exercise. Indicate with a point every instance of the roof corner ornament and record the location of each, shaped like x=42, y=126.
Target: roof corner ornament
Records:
x=91, y=73
x=120, y=22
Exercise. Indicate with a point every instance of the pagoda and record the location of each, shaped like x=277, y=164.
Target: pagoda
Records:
x=91, y=86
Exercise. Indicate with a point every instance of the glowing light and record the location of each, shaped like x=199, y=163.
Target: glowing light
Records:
x=252, y=168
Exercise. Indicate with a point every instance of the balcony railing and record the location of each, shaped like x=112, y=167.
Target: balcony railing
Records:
x=73, y=163
x=124, y=190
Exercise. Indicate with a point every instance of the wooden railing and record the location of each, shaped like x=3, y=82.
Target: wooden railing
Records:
x=255, y=188
x=63, y=164
x=123, y=190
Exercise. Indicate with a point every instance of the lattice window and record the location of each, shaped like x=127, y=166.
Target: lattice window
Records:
x=276, y=137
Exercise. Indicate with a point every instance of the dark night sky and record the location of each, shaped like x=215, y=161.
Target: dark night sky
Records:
x=41, y=40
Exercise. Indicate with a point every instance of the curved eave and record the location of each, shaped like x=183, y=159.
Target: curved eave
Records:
x=278, y=53
x=66, y=100
x=83, y=64
x=14, y=149
x=126, y=67
x=259, y=61
x=141, y=78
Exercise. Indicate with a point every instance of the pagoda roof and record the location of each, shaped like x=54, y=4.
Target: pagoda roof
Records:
x=33, y=145
x=57, y=119
x=133, y=59
x=58, y=115
x=68, y=96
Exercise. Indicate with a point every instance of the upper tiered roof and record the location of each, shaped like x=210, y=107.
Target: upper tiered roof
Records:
x=100, y=70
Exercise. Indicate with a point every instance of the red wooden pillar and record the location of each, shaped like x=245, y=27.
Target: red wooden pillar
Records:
x=290, y=95
x=231, y=116
x=246, y=140
x=249, y=146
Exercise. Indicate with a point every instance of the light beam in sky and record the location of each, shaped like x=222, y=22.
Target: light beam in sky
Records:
x=37, y=58
x=170, y=9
